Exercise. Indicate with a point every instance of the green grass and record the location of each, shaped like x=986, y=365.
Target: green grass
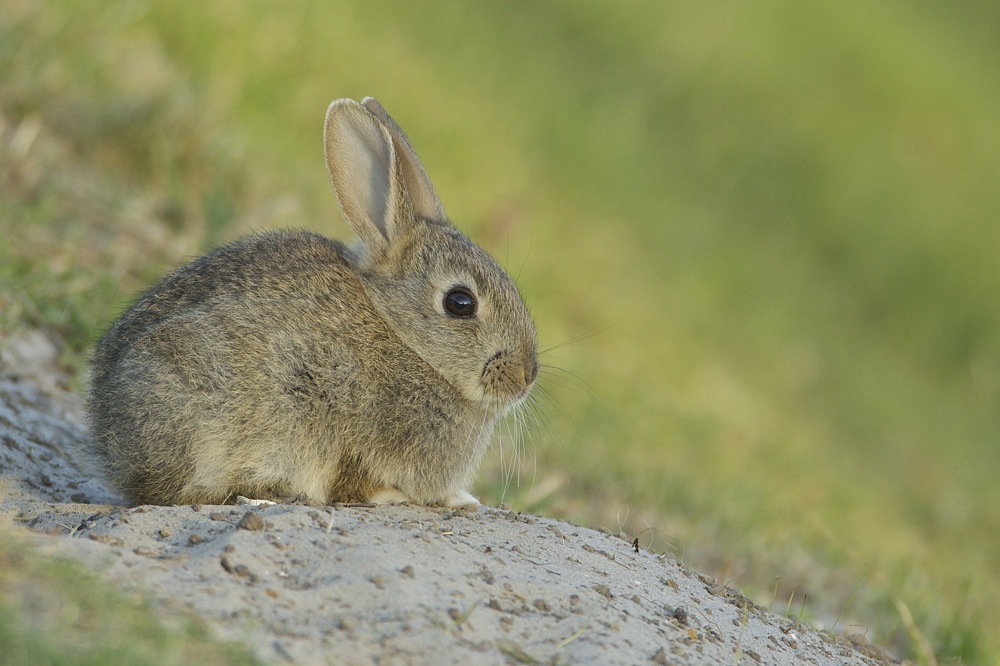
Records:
x=770, y=228
x=53, y=611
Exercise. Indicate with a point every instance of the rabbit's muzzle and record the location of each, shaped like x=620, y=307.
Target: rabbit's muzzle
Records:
x=508, y=377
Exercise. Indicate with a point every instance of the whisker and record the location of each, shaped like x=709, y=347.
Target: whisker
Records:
x=542, y=416
x=568, y=378
x=506, y=471
x=572, y=341
x=531, y=242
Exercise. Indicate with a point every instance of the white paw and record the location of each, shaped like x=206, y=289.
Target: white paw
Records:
x=246, y=501
x=460, y=499
x=389, y=496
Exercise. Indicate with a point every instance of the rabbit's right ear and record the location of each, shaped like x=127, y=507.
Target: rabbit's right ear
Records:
x=365, y=173
x=419, y=189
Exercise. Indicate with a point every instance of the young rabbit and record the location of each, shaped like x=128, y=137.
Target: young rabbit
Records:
x=290, y=365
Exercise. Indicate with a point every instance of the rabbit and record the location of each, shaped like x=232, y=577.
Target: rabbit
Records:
x=287, y=365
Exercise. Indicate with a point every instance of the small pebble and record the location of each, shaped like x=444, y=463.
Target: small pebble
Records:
x=107, y=539
x=240, y=570
x=604, y=591
x=251, y=521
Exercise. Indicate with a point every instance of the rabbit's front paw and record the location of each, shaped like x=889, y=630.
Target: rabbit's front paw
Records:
x=460, y=499
x=249, y=501
x=389, y=496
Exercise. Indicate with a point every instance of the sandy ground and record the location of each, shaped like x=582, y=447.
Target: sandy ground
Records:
x=386, y=585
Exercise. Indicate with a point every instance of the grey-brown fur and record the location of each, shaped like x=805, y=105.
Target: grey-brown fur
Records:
x=287, y=364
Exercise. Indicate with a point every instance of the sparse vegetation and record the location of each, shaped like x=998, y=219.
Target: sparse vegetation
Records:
x=771, y=227
x=54, y=612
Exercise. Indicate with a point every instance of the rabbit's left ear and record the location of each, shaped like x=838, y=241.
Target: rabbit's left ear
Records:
x=424, y=201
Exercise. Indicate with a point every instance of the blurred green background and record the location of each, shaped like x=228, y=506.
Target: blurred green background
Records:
x=760, y=239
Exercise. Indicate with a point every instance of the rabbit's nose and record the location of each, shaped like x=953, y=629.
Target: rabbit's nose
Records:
x=530, y=372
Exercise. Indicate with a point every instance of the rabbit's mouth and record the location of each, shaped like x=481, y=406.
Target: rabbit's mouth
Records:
x=508, y=378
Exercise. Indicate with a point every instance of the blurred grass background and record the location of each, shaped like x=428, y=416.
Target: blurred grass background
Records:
x=769, y=231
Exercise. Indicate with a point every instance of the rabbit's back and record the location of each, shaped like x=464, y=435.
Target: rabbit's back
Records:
x=239, y=276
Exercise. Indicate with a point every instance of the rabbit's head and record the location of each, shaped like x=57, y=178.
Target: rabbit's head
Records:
x=444, y=297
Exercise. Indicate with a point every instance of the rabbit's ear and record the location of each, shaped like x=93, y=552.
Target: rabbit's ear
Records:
x=365, y=173
x=424, y=200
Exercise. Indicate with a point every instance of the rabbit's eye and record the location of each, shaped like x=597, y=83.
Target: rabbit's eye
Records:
x=460, y=303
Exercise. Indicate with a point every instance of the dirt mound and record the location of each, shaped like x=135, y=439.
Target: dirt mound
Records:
x=397, y=584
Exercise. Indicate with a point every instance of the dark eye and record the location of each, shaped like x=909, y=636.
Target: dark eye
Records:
x=460, y=303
